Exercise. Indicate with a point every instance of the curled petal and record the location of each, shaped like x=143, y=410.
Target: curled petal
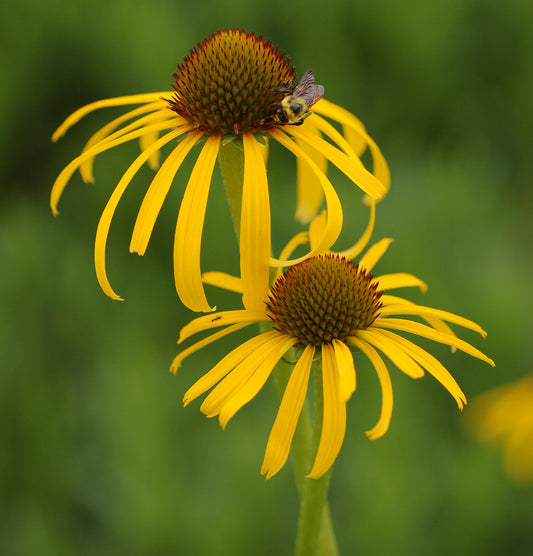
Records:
x=334, y=208
x=104, y=223
x=117, y=101
x=157, y=192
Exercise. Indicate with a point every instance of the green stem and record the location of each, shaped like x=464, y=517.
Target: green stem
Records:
x=315, y=529
x=315, y=535
x=231, y=161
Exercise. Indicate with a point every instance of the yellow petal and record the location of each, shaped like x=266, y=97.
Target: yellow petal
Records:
x=309, y=194
x=334, y=208
x=226, y=365
x=432, y=334
x=299, y=239
x=282, y=433
x=433, y=321
x=334, y=416
x=107, y=215
x=117, y=101
x=189, y=227
x=398, y=356
x=65, y=175
x=356, y=136
x=144, y=142
x=255, y=241
x=431, y=364
x=420, y=310
x=222, y=280
x=223, y=318
x=249, y=388
x=359, y=245
x=240, y=374
x=351, y=166
x=346, y=368
x=157, y=192
x=372, y=256
x=202, y=343
x=86, y=169
x=381, y=427
x=399, y=280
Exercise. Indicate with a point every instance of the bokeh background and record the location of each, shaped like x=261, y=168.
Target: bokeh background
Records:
x=97, y=454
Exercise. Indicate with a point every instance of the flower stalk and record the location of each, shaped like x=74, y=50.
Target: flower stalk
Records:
x=231, y=162
x=315, y=535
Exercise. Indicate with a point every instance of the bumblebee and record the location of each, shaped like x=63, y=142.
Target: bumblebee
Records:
x=295, y=107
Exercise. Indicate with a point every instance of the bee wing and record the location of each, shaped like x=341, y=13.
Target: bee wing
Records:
x=307, y=89
x=313, y=95
x=307, y=81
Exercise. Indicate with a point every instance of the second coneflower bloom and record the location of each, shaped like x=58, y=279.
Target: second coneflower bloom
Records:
x=233, y=87
x=326, y=309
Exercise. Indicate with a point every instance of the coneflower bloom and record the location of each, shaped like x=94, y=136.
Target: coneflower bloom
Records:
x=504, y=416
x=229, y=88
x=325, y=308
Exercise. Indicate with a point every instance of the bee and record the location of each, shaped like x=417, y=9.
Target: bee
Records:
x=295, y=107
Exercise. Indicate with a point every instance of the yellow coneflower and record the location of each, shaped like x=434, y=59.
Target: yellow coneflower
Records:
x=326, y=308
x=234, y=88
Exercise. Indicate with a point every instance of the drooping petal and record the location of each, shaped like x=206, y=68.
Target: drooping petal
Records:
x=107, y=215
x=436, y=323
x=254, y=241
x=232, y=360
x=432, y=334
x=223, y=318
x=309, y=194
x=399, y=280
x=420, y=310
x=189, y=227
x=398, y=356
x=249, y=388
x=381, y=427
x=146, y=141
x=65, y=175
x=346, y=367
x=223, y=280
x=176, y=363
x=282, y=433
x=351, y=166
x=264, y=357
x=117, y=101
x=334, y=415
x=372, y=256
x=86, y=169
x=356, y=135
x=157, y=193
x=334, y=208
x=430, y=363
x=353, y=132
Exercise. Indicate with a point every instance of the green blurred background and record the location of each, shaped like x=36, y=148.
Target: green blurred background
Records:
x=98, y=456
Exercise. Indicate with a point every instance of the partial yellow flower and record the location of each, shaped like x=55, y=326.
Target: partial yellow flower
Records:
x=504, y=417
x=326, y=308
x=237, y=87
